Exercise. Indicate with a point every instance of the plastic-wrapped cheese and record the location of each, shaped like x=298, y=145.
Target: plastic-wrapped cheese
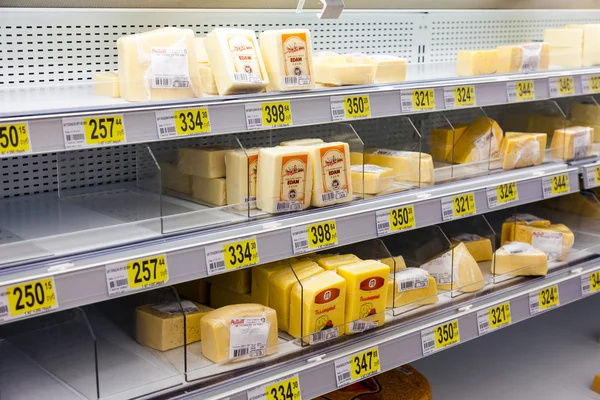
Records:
x=519, y=259
x=565, y=57
x=260, y=281
x=525, y=57
x=332, y=182
x=371, y=179
x=555, y=240
x=476, y=62
x=520, y=150
x=411, y=286
x=456, y=269
x=241, y=167
x=337, y=70
x=107, y=84
x=561, y=37
x=408, y=166
x=508, y=226
x=591, y=43
x=481, y=141
x=479, y=247
x=572, y=143
x=201, y=56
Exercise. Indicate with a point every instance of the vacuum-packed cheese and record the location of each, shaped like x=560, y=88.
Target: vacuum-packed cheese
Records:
x=241, y=168
x=411, y=286
x=173, y=179
x=332, y=182
x=572, y=143
x=555, y=240
x=260, y=281
x=479, y=247
x=455, y=269
x=107, y=84
x=527, y=57
x=522, y=149
x=519, y=259
x=212, y=191
x=481, y=141
x=388, y=69
x=205, y=162
x=239, y=280
x=442, y=141
x=408, y=166
x=508, y=231
x=332, y=262
x=371, y=179
x=476, y=62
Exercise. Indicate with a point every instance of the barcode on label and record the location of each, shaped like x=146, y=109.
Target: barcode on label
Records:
x=547, y=191
x=301, y=244
x=428, y=345
x=317, y=337
x=407, y=285
x=3, y=310
x=281, y=206
x=535, y=305
x=254, y=121
x=326, y=197
x=118, y=283
x=338, y=111
x=240, y=77
x=359, y=326
x=484, y=326
x=493, y=199
x=168, y=129
x=447, y=213
x=291, y=80
x=162, y=82
x=344, y=376
x=383, y=226
x=512, y=92
x=76, y=137
x=407, y=105
x=240, y=352
x=216, y=265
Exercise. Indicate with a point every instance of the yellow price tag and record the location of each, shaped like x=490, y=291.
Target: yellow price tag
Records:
x=560, y=184
x=525, y=90
x=31, y=297
x=365, y=363
x=423, y=99
x=548, y=297
x=276, y=114
x=192, y=121
x=594, y=83
x=147, y=271
x=288, y=389
x=14, y=138
x=565, y=85
x=106, y=129
x=464, y=96
x=402, y=218
x=357, y=106
x=499, y=315
x=464, y=204
x=322, y=234
x=594, y=281
x=446, y=334
x=507, y=192
x=241, y=254
x=597, y=175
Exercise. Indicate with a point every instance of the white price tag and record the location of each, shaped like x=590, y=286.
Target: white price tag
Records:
x=592, y=176
x=136, y=274
x=254, y=116
x=585, y=285
x=103, y=130
x=561, y=86
x=28, y=298
x=248, y=337
x=417, y=100
x=323, y=336
x=222, y=257
x=543, y=299
x=357, y=366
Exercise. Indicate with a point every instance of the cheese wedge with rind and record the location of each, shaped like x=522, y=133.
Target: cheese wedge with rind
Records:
x=371, y=179
x=481, y=141
x=519, y=259
x=479, y=247
x=408, y=166
x=526, y=57
x=456, y=269
x=508, y=225
x=520, y=150
x=555, y=240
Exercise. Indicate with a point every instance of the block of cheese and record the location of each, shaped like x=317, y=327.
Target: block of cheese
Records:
x=158, y=65
x=481, y=141
x=525, y=57
x=371, y=179
x=356, y=158
x=201, y=56
x=396, y=263
x=288, y=59
x=442, y=140
x=366, y=293
x=596, y=384
x=332, y=262
x=508, y=231
x=411, y=286
x=555, y=240
x=333, y=71
x=476, y=62
x=594, y=127
x=211, y=191
x=572, y=142
x=329, y=57
x=107, y=84
x=522, y=149
x=218, y=332
x=160, y=326
x=479, y=247
x=588, y=112
x=239, y=280
x=519, y=259
x=236, y=61
x=332, y=181
x=408, y=166
x=388, y=69
x=284, y=180
x=561, y=37
x=566, y=57
x=197, y=290
x=301, y=142
x=591, y=43
x=173, y=179
x=260, y=281
x=318, y=305
x=220, y=297
x=205, y=162
x=281, y=284
x=455, y=269
x=241, y=168
x=208, y=80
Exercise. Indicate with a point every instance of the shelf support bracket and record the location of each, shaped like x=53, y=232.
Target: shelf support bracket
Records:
x=332, y=9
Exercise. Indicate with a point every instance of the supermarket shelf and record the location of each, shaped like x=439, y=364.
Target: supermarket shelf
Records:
x=47, y=106
x=81, y=279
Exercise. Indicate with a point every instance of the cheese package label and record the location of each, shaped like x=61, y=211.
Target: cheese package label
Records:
x=527, y=57
x=508, y=234
x=520, y=259
x=572, y=143
x=411, y=286
x=456, y=269
x=248, y=337
x=331, y=168
x=555, y=240
x=241, y=167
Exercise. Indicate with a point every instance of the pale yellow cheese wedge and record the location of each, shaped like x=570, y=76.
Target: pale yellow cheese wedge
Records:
x=522, y=149
x=173, y=179
x=212, y=191
x=519, y=259
x=525, y=57
x=442, y=140
x=337, y=70
x=239, y=280
x=107, y=84
x=332, y=182
x=508, y=232
x=411, y=286
x=396, y=263
x=260, y=281
x=571, y=143
x=241, y=168
x=332, y=262
x=371, y=179
x=481, y=141
x=197, y=290
x=455, y=269
x=209, y=85
x=476, y=62
x=408, y=166
x=204, y=162
x=389, y=69
x=220, y=297
x=555, y=240
x=479, y=247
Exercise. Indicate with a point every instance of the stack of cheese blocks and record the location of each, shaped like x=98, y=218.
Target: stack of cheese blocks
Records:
x=574, y=46
x=204, y=168
x=333, y=69
x=525, y=57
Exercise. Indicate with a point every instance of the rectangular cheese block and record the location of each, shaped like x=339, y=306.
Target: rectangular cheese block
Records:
x=455, y=269
x=201, y=56
x=318, y=305
x=216, y=329
x=411, y=286
x=241, y=168
x=508, y=231
x=442, y=141
x=332, y=182
x=476, y=62
x=209, y=85
x=566, y=57
x=220, y=297
x=280, y=287
x=481, y=141
x=522, y=149
x=158, y=65
x=344, y=73
x=591, y=43
x=107, y=84
x=173, y=179
x=301, y=142
x=555, y=240
x=586, y=112
x=479, y=247
x=287, y=54
x=332, y=262
x=239, y=280
x=260, y=281
x=408, y=166
x=236, y=61
x=572, y=142
x=197, y=290
x=160, y=326
x=396, y=263
x=388, y=69
x=284, y=181
x=211, y=191
x=519, y=259
x=366, y=292
x=371, y=179
x=561, y=37
x=205, y=162
x=356, y=158
x=527, y=57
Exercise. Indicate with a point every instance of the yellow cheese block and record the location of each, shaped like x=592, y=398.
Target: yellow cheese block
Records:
x=220, y=297
x=332, y=182
x=371, y=179
x=411, y=286
x=201, y=56
x=301, y=142
x=566, y=57
x=522, y=149
x=366, y=293
x=408, y=166
x=241, y=168
x=197, y=290
x=479, y=247
x=396, y=263
x=455, y=269
x=107, y=84
x=519, y=259
x=476, y=62
x=356, y=158
x=318, y=305
x=525, y=57
x=571, y=143
x=212, y=191
x=508, y=232
x=344, y=73
x=160, y=326
x=204, y=162
x=555, y=240
x=173, y=179
x=442, y=141
x=260, y=281
x=334, y=261
x=561, y=37
x=389, y=69
x=596, y=384
x=239, y=281
x=209, y=85
x=158, y=65
x=280, y=287
x=216, y=331
x=481, y=141
x=591, y=43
